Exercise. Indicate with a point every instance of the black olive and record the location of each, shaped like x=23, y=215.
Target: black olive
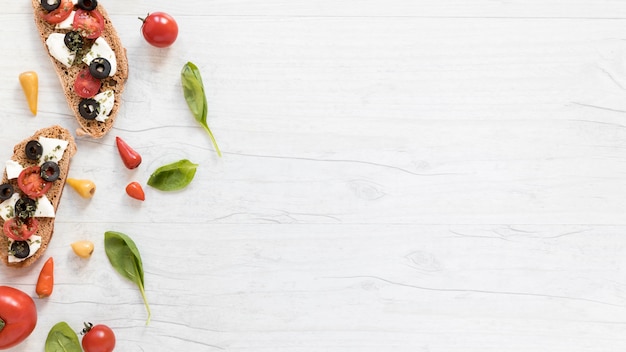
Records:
x=6, y=191
x=50, y=5
x=100, y=68
x=20, y=249
x=88, y=108
x=73, y=41
x=50, y=171
x=25, y=208
x=87, y=5
x=33, y=150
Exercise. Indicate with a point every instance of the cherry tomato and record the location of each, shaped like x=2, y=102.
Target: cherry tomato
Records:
x=31, y=183
x=134, y=190
x=86, y=86
x=18, y=316
x=20, y=230
x=99, y=338
x=129, y=156
x=159, y=29
x=89, y=23
x=60, y=14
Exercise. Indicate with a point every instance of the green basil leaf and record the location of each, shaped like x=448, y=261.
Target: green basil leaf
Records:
x=174, y=176
x=62, y=338
x=193, y=91
x=126, y=260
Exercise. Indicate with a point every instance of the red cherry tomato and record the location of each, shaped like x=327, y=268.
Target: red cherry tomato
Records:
x=159, y=29
x=86, y=85
x=18, y=316
x=134, y=190
x=129, y=156
x=31, y=183
x=60, y=14
x=99, y=338
x=89, y=23
x=20, y=230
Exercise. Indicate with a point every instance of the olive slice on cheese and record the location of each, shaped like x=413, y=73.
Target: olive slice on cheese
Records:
x=50, y=5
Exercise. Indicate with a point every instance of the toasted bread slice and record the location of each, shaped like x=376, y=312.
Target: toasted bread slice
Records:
x=46, y=224
x=67, y=75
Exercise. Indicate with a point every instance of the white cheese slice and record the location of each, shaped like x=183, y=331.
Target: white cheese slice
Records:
x=101, y=48
x=44, y=208
x=66, y=23
x=58, y=49
x=13, y=169
x=7, y=208
x=53, y=149
x=106, y=100
x=34, y=243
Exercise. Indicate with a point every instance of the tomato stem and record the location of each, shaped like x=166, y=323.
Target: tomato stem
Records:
x=2, y=324
x=144, y=19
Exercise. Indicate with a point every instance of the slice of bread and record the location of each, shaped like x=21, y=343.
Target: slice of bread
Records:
x=67, y=76
x=46, y=225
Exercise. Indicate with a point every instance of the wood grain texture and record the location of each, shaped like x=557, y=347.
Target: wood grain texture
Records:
x=397, y=176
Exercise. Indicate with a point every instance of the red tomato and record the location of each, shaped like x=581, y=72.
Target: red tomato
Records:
x=90, y=24
x=86, y=85
x=60, y=14
x=159, y=29
x=18, y=316
x=31, y=183
x=20, y=230
x=99, y=338
x=134, y=190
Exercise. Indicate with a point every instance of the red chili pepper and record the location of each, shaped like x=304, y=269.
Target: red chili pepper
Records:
x=45, y=283
x=135, y=190
x=130, y=157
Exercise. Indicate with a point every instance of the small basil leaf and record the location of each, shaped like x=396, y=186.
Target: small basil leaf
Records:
x=174, y=176
x=193, y=91
x=62, y=338
x=126, y=260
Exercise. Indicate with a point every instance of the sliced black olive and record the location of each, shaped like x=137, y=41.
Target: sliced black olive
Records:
x=88, y=108
x=50, y=5
x=50, y=171
x=25, y=208
x=73, y=41
x=6, y=191
x=87, y=5
x=20, y=249
x=100, y=68
x=33, y=150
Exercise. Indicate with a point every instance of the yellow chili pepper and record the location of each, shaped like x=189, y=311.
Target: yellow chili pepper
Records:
x=30, y=86
x=85, y=188
x=83, y=248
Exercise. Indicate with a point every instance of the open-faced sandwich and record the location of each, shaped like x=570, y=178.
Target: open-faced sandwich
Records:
x=30, y=192
x=88, y=57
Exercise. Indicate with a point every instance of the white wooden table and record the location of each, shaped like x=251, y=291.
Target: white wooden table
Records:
x=399, y=175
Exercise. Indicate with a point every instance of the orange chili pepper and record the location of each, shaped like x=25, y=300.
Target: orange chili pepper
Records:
x=30, y=84
x=45, y=282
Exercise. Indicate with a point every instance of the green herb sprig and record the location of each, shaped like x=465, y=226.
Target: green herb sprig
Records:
x=62, y=338
x=193, y=90
x=174, y=176
x=126, y=260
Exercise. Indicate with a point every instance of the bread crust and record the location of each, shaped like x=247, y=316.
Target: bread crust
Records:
x=46, y=225
x=67, y=76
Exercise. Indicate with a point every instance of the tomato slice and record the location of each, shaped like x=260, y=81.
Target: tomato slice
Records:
x=89, y=23
x=86, y=85
x=20, y=230
x=31, y=183
x=60, y=14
